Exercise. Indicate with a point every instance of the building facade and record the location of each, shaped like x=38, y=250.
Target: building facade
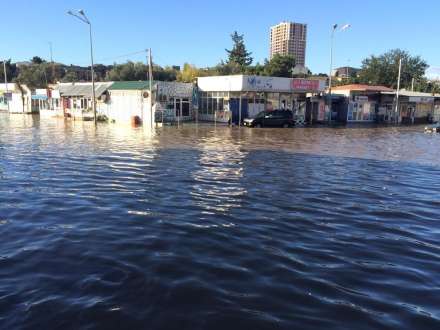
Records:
x=76, y=99
x=360, y=103
x=15, y=98
x=132, y=101
x=234, y=98
x=288, y=38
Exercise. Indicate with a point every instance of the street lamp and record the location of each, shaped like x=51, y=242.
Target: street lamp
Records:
x=83, y=18
x=334, y=29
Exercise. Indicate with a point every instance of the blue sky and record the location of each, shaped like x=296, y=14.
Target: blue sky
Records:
x=198, y=31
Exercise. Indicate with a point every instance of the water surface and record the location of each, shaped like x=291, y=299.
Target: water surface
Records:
x=217, y=228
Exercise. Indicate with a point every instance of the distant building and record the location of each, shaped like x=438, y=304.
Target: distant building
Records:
x=345, y=72
x=289, y=38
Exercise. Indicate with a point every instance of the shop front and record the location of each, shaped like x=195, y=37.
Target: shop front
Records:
x=412, y=108
x=234, y=98
x=362, y=103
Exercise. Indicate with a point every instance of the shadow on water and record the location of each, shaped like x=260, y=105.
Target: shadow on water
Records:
x=214, y=228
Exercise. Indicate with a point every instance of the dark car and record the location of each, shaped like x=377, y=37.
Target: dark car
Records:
x=276, y=118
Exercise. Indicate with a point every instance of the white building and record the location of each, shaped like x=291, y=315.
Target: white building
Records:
x=76, y=99
x=15, y=98
x=224, y=98
x=129, y=102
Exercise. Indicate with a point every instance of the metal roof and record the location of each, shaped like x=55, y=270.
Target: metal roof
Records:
x=362, y=88
x=130, y=85
x=83, y=89
x=411, y=94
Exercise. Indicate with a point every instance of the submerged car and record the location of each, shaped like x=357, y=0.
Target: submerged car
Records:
x=276, y=118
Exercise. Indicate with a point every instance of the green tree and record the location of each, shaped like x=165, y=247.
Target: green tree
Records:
x=35, y=75
x=383, y=69
x=11, y=71
x=239, y=54
x=280, y=66
x=37, y=60
x=188, y=74
x=70, y=76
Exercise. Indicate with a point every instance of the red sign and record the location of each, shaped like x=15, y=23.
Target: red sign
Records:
x=305, y=84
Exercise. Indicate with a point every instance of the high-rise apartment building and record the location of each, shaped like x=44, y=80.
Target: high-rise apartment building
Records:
x=289, y=38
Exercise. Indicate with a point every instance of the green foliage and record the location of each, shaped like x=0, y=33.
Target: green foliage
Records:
x=188, y=74
x=280, y=66
x=37, y=60
x=383, y=69
x=11, y=71
x=167, y=73
x=71, y=76
x=135, y=71
x=238, y=55
x=36, y=75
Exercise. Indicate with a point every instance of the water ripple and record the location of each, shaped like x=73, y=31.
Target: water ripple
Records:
x=214, y=228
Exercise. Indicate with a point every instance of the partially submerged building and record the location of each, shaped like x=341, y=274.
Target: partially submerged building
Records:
x=133, y=101
x=359, y=103
x=413, y=107
x=15, y=98
x=76, y=99
x=233, y=98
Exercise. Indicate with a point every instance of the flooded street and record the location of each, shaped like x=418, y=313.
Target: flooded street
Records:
x=204, y=227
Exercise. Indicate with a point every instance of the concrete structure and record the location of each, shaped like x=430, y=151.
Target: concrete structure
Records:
x=47, y=102
x=130, y=101
x=360, y=103
x=76, y=99
x=15, y=98
x=345, y=72
x=414, y=107
x=365, y=103
x=173, y=102
x=289, y=38
x=235, y=98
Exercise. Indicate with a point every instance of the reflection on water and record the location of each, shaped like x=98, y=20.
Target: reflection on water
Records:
x=217, y=185
x=204, y=227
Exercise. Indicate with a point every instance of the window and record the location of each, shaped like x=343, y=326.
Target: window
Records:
x=185, y=109
x=220, y=104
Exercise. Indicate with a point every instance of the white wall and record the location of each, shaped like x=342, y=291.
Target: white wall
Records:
x=221, y=83
x=260, y=84
x=124, y=105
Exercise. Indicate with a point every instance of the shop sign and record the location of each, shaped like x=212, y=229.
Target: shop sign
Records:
x=361, y=98
x=421, y=99
x=305, y=84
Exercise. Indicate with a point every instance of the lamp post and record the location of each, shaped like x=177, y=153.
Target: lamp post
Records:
x=332, y=37
x=83, y=18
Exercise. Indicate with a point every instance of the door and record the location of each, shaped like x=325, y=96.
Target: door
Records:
x=178, y=107
x=234, y=107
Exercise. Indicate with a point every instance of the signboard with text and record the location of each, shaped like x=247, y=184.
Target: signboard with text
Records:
x=305, y=84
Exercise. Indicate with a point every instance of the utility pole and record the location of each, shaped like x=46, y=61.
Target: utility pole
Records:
x=51, y=61
x=6, y=82
x=412, y=84
x=397, y=112
x=330, y=75
x=150, y=76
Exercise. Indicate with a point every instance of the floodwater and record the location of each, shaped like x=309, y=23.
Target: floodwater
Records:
x=204, y=227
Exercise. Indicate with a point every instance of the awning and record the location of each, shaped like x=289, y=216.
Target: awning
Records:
x=39, y=97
